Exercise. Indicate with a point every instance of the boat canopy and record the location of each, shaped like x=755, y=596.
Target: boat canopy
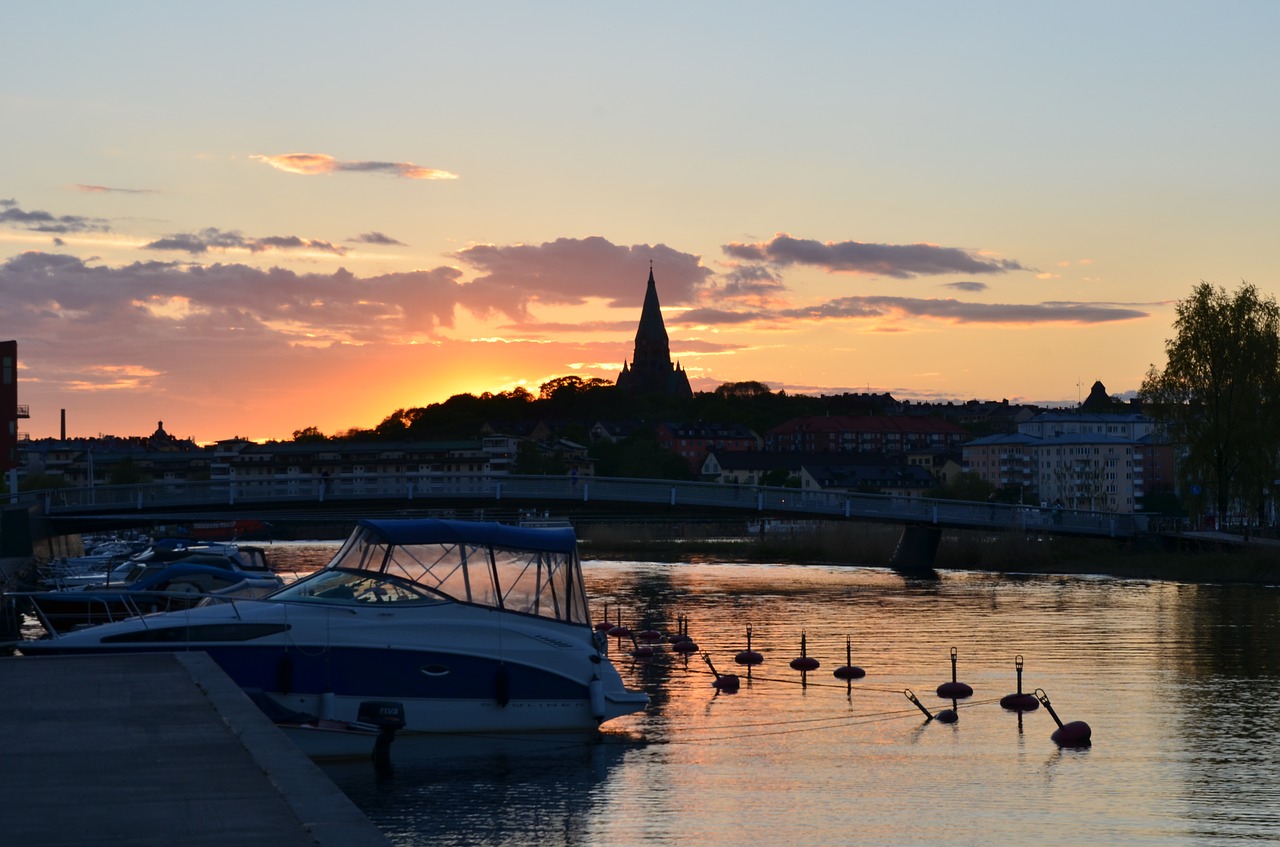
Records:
x=516, y=569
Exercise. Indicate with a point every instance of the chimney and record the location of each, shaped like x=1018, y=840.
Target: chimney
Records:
x=64, y=425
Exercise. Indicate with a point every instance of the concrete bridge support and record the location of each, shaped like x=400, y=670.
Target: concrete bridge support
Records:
x=917, y=547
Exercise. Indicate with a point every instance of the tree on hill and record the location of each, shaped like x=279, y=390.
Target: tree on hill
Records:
x=1219, y=393
x=638, y=456
x=309, y=434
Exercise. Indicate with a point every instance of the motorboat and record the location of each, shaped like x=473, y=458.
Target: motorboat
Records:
x=165, y=577
x=439, y=626
x=157, y=554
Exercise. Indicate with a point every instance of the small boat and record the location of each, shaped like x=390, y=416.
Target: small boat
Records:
x=158, y=554
x=449, y=626
x=165, y=577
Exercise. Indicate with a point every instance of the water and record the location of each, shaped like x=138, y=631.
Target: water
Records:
x=1180, y=684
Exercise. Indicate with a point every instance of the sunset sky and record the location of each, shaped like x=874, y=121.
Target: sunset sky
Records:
x=244, y=219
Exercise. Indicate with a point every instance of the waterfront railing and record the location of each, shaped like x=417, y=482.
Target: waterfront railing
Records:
x=418, y=488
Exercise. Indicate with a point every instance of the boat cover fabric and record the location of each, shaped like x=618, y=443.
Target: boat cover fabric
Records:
x=440, y=531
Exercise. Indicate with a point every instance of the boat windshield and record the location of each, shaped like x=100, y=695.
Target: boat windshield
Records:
x=493, y=571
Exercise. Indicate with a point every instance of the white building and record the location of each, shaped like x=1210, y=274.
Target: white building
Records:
x=1089, y=461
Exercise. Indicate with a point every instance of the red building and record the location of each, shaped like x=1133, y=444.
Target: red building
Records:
x=891, y=435
x=10, y=411
x=694, y=441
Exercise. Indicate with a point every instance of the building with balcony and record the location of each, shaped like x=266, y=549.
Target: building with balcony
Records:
x=1098, y=463
x=891, y=435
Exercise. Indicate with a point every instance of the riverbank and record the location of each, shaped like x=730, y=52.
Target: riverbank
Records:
x=1190, y=559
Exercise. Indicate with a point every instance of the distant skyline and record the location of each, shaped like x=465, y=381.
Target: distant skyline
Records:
x=267, y=217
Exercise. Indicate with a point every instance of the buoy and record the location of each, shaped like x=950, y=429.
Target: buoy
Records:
x=945, y=716
x=848, y=671
x=682, y=633
x=954, y=690
x=649, y=636
x=640, y=651
x=619, y=631
x=605, y=625
x=1018, y=701
x=1074, y=734
x=804, y=663
x=748, y=656
x=728, y=683
x=687, y=646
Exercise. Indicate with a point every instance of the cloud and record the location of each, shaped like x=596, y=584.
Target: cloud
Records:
x=311, y=164
x=38, y=221
x=718, y=317
x=966, y=286
x=751, y=284
x=570, y=271
x=103, y=189
x=960, y=312
x=197, y=243
x=901, y=261
x=376, y=238
x=163, y=303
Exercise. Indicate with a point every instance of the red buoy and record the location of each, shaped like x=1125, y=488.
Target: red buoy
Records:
x=649, y=636
x=748, y=656
x=641, y=651
x=682, y=631
x=804, y=663
x=954, y=690
x=1018, y=701
x=685, y=646
x=619, y=631
x=848, y=671
x=1074, y=734
x=947, y=716
x=605, y=625
x=728, y=683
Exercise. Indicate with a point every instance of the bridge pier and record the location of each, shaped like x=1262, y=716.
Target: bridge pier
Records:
x=917, y=548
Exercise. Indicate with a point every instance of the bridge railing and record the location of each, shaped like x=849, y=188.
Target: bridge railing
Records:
x=248, y=490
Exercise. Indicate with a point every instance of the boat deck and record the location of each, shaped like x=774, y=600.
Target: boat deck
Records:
x=155, y=749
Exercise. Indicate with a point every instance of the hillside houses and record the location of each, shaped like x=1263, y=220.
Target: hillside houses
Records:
x=693, y=441
x=1107, y=461
x=890, y=435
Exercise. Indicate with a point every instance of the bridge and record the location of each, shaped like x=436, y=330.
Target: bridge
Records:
x=313, y=498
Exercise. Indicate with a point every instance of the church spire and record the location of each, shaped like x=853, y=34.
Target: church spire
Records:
x=651, y=369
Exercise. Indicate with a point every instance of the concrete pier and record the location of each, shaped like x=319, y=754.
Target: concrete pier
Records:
x=155, y=749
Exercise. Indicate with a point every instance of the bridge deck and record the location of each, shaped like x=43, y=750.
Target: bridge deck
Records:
x=393, y=492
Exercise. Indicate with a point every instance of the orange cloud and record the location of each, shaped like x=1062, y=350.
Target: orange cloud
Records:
x=311, y=164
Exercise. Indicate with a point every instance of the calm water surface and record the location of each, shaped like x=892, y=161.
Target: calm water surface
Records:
x=1180, y=684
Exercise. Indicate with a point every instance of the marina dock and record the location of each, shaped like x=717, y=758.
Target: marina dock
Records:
x=155, y=749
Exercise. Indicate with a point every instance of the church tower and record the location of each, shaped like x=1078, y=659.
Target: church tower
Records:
x=651, y=370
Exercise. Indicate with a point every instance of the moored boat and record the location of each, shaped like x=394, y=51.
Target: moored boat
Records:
x=165, y=577
x=457, y=626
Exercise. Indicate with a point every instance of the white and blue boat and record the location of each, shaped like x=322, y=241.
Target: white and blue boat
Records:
x=448, y=626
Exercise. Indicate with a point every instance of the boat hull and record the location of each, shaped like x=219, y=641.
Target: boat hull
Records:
x=474, y=677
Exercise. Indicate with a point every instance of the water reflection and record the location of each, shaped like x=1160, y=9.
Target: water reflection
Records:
x=486, y=790
x=1179, y=683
